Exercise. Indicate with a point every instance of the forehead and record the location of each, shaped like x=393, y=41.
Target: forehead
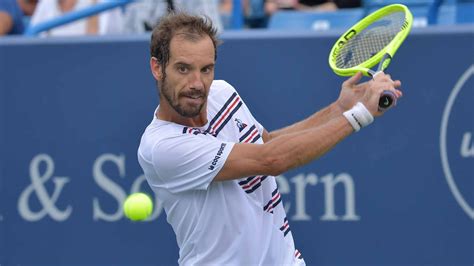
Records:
x=192, y=50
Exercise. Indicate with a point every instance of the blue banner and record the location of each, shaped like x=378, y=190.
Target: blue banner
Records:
x=72, y=112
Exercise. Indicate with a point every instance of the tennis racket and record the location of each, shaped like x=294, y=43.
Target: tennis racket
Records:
x=371, y=41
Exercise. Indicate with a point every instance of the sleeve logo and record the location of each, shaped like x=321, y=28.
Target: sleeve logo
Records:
x=217, y=157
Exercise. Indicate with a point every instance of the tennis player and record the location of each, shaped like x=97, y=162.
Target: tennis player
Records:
x=212, y=164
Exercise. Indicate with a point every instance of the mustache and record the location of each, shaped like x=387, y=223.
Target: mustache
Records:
x=194, y=93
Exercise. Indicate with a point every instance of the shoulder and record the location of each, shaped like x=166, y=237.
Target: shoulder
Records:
x=221, y=90
x=156, y=133
x=221, y=86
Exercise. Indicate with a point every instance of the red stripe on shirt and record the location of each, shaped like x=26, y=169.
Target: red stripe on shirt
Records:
x=216, y=125
x=251, y=136
x=249, y=185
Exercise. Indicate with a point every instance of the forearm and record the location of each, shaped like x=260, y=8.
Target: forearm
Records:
x=284, y=152
x=321, y=117
x=296, y=149
x=308, y=140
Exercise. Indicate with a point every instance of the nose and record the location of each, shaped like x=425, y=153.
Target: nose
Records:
x=196, y=81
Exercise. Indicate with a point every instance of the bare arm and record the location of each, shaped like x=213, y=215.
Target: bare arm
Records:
x=319, y=118
x=351, y=92
x=307, y=140
x=6, y=23
x=284, y=152
x=92, y=23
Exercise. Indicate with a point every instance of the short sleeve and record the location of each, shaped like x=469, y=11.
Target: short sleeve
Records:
x=189, y=162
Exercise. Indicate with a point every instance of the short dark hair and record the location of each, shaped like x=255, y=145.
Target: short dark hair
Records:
x=191, y=26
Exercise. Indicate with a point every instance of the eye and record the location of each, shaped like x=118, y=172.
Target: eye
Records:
x=206, y=70
x=182, y=69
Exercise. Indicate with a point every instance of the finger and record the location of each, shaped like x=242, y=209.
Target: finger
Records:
x=397, y=84
x=383, y=77
x=399, y=93
x=353, y=80
x=389, y=83
x=379, y=76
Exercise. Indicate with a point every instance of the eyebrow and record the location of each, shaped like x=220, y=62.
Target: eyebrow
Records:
x=189, y=65
x=182, y=63
x=210, y=65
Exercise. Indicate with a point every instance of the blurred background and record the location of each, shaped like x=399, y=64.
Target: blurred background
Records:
x=76, y=94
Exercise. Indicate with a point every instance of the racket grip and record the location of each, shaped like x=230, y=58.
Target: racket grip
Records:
x=387, y=99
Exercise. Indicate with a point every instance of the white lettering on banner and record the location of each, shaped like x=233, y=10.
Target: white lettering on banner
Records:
x=113, y=189
x=467, y=151
x=108, y=186
x=330, y=181
x=300, y=182
x=105, y=181
x=37, y=186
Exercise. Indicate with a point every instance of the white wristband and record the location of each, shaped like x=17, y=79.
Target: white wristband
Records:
x=358, y=116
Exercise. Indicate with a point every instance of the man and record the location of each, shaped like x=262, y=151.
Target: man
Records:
x=142, y=16
x=213, y=165
x=11, y=18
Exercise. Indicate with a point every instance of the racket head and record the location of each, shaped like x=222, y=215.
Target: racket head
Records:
x=362, y=46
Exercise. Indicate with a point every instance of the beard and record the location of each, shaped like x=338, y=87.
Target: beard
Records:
x=186, y=110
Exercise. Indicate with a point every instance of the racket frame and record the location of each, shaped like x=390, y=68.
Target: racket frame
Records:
x=386, y=53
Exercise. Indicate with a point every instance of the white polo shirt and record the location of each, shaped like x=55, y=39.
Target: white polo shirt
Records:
x=237, y=222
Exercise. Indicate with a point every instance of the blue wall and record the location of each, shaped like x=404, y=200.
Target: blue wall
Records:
x=72, y=111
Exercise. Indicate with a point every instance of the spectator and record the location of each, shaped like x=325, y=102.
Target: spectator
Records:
x=253, y=11
x=27, y=6
x=325, y=5
x=11, y=18
x=108, y=22
x=257, y=12
x=272, y=6
x=142, y=16
x=322, y=5
x=209, y=8
x=254, y=14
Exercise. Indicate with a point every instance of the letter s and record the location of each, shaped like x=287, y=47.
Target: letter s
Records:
x=109, y=186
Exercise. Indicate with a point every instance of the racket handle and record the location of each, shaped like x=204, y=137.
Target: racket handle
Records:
x=387, y=99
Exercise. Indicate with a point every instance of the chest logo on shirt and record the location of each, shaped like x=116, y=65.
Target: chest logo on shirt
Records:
x=241, y=125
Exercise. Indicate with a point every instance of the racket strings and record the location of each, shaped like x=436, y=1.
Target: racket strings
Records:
x=370, y=40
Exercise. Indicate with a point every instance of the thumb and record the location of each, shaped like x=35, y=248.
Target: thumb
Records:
x=353, y=80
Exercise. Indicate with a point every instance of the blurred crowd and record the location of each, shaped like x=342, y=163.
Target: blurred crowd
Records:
x=140, y=16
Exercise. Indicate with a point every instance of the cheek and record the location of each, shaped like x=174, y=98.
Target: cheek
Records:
x=170, y=82
x=168, y=87
x=208, y=80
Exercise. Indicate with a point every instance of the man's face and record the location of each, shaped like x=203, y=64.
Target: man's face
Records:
x=189, y=74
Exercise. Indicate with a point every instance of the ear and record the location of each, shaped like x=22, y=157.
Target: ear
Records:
x=155, y=68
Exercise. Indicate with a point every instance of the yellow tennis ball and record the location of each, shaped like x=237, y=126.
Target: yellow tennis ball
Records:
x=138, y=206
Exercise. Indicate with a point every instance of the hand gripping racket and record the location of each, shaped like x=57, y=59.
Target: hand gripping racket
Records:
x=372, y=40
